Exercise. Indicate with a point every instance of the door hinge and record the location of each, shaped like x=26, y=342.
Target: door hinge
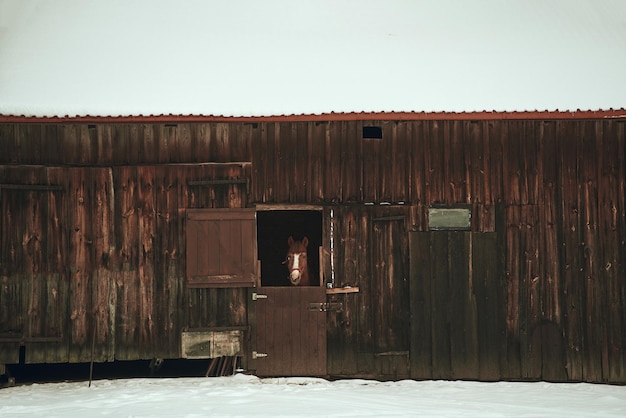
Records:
x=256, y=355
x=325, y=307
x=256, y=296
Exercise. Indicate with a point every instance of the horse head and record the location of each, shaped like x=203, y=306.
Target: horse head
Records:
x=296, y=261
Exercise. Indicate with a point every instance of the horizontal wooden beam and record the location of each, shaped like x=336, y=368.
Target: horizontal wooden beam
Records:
x=31, y=339
x=216, y=182
x=221, y=281
x=340, y=290
x=32, y=187
x=296, y=206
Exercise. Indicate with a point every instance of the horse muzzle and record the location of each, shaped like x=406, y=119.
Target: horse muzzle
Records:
x=294, y=275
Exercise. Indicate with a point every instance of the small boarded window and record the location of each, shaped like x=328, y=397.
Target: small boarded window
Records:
x=372, y=132
x=449, y=218
x=221, y=248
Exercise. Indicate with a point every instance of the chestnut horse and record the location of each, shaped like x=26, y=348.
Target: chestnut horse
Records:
x=297, y=262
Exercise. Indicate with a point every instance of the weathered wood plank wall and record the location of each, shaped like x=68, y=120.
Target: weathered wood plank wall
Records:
x=105, y=253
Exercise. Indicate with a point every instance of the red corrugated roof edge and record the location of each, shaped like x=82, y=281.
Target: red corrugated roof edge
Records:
x=379, y=116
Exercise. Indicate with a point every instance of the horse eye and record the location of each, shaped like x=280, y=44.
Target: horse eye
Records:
x=303, y=255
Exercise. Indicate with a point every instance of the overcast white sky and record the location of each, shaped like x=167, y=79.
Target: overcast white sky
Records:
x=251, y=58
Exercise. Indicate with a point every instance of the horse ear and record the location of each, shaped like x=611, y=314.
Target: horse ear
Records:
x=290, y=241
x=305, y=242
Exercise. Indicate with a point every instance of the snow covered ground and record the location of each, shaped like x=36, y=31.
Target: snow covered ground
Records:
x=243, y=395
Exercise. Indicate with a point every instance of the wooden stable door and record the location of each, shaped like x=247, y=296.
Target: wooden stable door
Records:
x=456, y=305
x=291, y=331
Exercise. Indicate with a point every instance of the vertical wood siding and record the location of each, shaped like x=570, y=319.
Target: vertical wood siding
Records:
x=104, y=254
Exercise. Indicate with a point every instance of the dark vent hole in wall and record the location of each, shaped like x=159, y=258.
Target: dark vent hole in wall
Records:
x=372, y=132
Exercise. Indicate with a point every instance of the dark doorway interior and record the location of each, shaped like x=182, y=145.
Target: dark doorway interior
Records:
x=273, y=230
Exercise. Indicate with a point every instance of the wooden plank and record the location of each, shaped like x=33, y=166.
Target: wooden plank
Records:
x=51, y=144
x=299, y=161
x=127, y=302
x=235, y=249
x=441, y=315
x=456, y=164
x=231, y=306
x=87, y=143
x=221, y=281
x=613, y=227
x=388, y=163
x=34, y=187
x=81, y=258
x=103, y=277
x=281, y=175
x=285, y=180
x=463, y=321
x=209, y=248
x=222, y=142
x=249, y=250
x=434, y=164
x=401, y=156
x=263, y=160
x=417, y=161
x=168, y=268
x=201, y=141
x=126, y=141
x=351, y=161
x=595, y=321
x=332, y=167
x=570, y=248
x=34, y=245
x=530, y=308
x=358, y=310
x=474, y=165
x=420, y=283
x=146, y=231
x=8, y=144
x=342, y=290
x=486, y=279
x=105, y=149
x=511, y=168
x=171, y=133
x=316, y=150
x=57, y=283
x=14, y=290
x=219, y=214
x=241, y=143
x=513, y=273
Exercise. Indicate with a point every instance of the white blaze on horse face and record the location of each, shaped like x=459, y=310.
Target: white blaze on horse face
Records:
x=295, y=268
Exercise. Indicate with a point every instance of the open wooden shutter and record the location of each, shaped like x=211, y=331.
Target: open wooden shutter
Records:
x=221, y=248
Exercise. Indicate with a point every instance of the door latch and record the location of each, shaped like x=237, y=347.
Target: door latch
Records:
x=256, y=296
x=325, y=307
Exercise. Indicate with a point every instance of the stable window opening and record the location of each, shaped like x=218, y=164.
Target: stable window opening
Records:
x=274, y=228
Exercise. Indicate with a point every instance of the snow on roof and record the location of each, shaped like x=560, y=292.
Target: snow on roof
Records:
x=285, y=57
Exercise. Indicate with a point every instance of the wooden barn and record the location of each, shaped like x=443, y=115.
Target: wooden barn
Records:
x=474, y=246
x=485, y=245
